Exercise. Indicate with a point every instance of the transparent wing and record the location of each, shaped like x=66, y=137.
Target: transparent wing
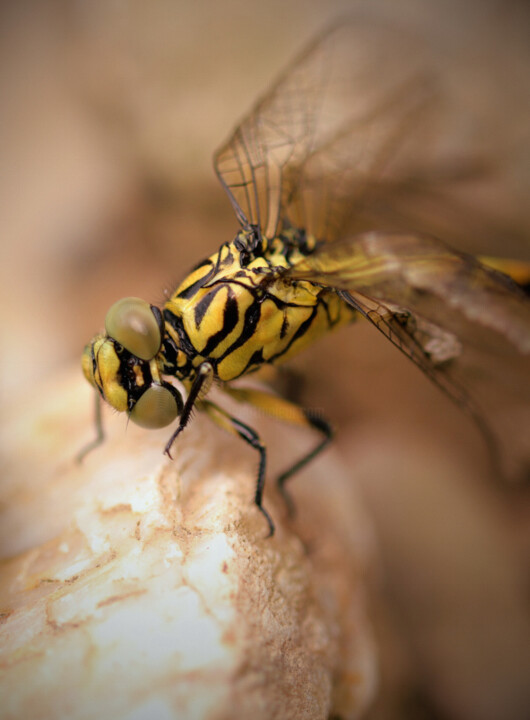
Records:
x=465, y=326
x=456, y=200
x=303, y=155
x=427, y=278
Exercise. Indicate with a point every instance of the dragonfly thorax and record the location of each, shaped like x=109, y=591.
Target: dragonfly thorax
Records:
x=236, y=310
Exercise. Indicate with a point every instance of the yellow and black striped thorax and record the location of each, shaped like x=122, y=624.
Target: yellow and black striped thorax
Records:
x=237, y=309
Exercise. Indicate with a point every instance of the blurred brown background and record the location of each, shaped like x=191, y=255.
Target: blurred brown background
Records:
x=110, y=113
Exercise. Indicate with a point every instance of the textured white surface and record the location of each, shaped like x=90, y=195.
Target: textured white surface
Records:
x=136, y=587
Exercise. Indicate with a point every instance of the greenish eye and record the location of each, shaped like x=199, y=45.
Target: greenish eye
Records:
x=131, y=322
x=156, y=408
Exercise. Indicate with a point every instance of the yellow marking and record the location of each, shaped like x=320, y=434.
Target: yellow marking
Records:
x=155, y=371
x=87, y=365
x=518, y=270
x=138, y=376
x=272, y=405
x=107, y=374
x=257, y=263
x=340, y=314
x=235, y=363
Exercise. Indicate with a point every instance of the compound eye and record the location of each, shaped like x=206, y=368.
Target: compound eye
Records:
x=156, y=408
x=131, y=322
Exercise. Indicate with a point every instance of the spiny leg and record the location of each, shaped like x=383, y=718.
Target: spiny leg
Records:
x=249, y=435
x=100, y=434
x=287, y=412
x=200, y=385
x=325, y=428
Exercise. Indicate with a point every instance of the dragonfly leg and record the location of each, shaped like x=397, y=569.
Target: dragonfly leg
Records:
x=318, y=423
x=293, y=414
x=201, y=384
x=100, y=434
x=249, y=435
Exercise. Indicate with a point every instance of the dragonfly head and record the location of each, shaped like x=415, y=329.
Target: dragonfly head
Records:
x=122, y=364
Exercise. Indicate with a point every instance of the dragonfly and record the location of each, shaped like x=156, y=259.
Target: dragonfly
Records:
x=315, y=250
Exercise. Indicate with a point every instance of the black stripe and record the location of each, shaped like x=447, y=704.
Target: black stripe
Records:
x=217, y=265
x=185, y=343
x=284, y=327
x=170, y=354
x=231, y=311
x=252, y=316
x=202, y=306
x=304, y=327
x=230, y=318
x=169, y=351
x=254, y=363
x=192, y=289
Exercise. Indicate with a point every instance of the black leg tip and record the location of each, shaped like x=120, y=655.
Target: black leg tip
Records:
x=269, y=522
x=288, y=500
